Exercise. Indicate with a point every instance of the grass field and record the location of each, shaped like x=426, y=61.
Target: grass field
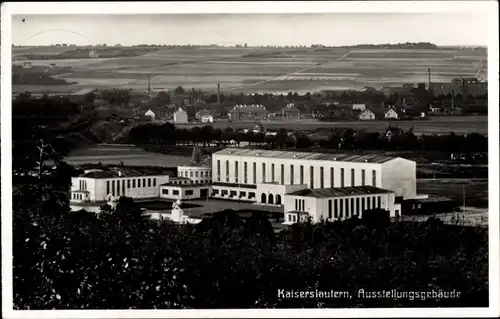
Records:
x=437, y=125
x=267, y=70
x=476, y=191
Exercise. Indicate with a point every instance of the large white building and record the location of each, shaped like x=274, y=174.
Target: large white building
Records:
x=90, y=190
x=331, y=204
x=266, y=177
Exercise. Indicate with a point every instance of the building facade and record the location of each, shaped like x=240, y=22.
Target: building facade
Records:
x=332, y=204
x=248, y=113
x=290, y=112
x=181, y=116
x=255, y=172
x=366, y=115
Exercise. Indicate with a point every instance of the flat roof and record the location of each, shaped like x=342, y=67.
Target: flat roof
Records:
x=306, y=155
x=193, y=185
x=121, y=172
x=339, y=191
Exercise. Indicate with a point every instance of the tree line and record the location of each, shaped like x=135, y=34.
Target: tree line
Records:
x=122, y=260
x=338, y=139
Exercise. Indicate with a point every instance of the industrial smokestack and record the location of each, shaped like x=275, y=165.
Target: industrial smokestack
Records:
x=149, y=84
x=193, y=96
x=218, y=93
x=429, y=73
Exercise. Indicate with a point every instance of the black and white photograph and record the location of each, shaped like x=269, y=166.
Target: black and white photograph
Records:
x=250, y=159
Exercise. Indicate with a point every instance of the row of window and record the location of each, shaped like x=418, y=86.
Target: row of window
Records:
x=225, y=192
x=187, y=192
x=292, y=175
x=337, y=208
x=83, y=185
x=77, y=196
x=195, y=174
x=118, y=187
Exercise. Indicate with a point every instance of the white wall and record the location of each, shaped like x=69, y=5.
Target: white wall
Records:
x=318, y=208
x=97, y=187
x=197, y=174
x=170, y=189
x=368, y=167
x=400, y=176
x=180, y=117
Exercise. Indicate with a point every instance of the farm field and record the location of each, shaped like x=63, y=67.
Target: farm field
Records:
x=434, y=125
x=132, y=156
x=476, y=191
x=269, y=70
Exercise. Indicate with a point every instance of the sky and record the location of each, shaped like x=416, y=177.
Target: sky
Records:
x=255, y=29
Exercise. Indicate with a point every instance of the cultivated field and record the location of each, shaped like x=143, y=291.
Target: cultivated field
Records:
x=132, y=156
x=267, y=70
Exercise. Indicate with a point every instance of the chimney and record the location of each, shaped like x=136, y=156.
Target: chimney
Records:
x=192, y=96
x=429, y=73
x=218, y=93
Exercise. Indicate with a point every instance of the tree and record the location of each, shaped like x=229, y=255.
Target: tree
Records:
x=162, y=98
x=89, y=98
x=179, y=90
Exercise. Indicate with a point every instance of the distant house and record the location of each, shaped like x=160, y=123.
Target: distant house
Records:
x=202, y=113
x=207, y=118
x=367, y=115
x=52, y=65
x=290, y=112
x=248, y=113
x=150, y=114
x=27, y=65
x=359, y=107
x=394, y=114
x=180, y=116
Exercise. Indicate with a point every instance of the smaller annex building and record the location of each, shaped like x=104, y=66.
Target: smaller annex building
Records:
x=331, y=204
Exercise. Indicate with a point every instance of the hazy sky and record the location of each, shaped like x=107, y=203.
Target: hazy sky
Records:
x=254, y=29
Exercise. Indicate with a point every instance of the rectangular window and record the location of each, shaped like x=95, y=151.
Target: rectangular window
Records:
x=232, y=193
x=236, y=171
x=254, y=173
x=352, y=207
x=311, y=176
x=302, y=174
x=227, y=171
x=374, y=203
x=341, y=209
x=368, y=203
x=321, y=178
x=107, y=187
x=251, y=195
x=336, y=208
x=188, y=192
x=215, y=191
x=245, y=172
x=346, y=207
x=291, y=175
x=143, y=182
x=175, y=192
x=303, y=205
x=357, y=206
x=149, y=182
x=332, y=184
x=218, y=170
x=272, y=173
x=282, y=174
x=296, y=204
x=379, y=201
x=133, y=183
x=243, y=194
x=363, y=177
x=374, y=178
x=164, y=191
x=263, y=172
x=128, y=183
x=362, y=205
x=123, y=187
x=154, y=182
x=289, y=217
x=330, y=212
x=341, y=177
x=113, y=188
x=353, y=178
